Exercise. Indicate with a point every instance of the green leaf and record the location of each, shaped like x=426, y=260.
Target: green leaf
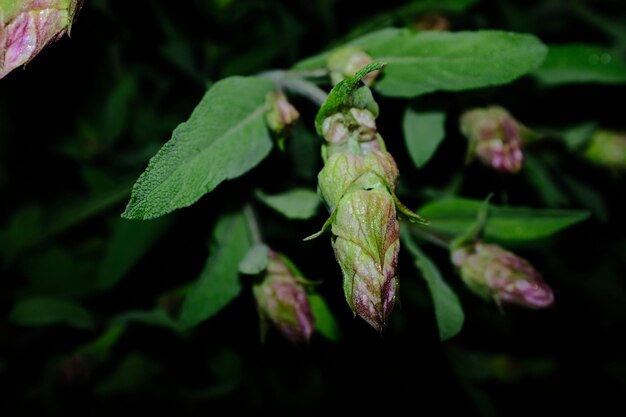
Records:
x=224, y=137
x=348, y=94
x=218, y=283
x=256, y=260
x=157, y=317
x=132, y=374
x=298, y=203
x=423, y=132
x=99, y=349
x=448, y=311
x=325, y=322
x=419, y=63
x=43, y=311
x=578, y=136
x=454, y=215
x=129, y=242
x=453, y=61
x=537, y=173
x=578, y=63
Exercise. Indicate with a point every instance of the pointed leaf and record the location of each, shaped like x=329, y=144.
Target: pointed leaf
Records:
x=129, y=242
x=218, y=283
x=454, y=215
x=298, y=203
x=224, y=137
x=448, y=311
x=256, y=259
x=325, y=322
x=423, y=132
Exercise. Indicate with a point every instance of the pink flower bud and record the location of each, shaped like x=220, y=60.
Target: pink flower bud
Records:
x=495, y=138
x=346, y=62
x=366, y=243
x=283, y=301
x=281, y=114
x=495, y=273
x=26, y=27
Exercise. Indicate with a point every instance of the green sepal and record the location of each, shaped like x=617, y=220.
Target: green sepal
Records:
x=327, y=224
x=349, y=94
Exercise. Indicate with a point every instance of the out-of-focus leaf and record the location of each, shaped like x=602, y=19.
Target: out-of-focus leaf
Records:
x=43, y=311
x=587, y=196
x=256, y=259
x=224, y=138
x=134, y=372
x=454, y=215
x=58, y=272
x=157, y=317
x=577, y=136
x=218, y=283
x=22, y=228
x=99, y=349
x=423, y=132
x=325, y=322
x=129, y=242
x=298, y=203
x=448, y=310
x=577, y=63
x=538, y=174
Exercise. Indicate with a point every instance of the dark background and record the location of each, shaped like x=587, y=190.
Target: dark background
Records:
x=79, y=123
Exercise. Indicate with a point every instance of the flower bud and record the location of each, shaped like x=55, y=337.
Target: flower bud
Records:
x=281, y=114
x=26, y=27
x=366, y=244
x=433, y=22
x=495, y=138
x=500, y=275
x=346, y=62
x=283, y=301
x=343, y=169
x=608, y=148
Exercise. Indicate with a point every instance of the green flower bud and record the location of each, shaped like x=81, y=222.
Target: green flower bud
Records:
x=281, y=114
x=282, y=300
x=366, y=244
x=497, y=274
x=343, y=169
x=26, y=27
x=346, y=62
x=495, y=138
x=608, y=148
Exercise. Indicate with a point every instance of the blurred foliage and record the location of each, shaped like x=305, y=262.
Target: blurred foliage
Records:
x=90, y=299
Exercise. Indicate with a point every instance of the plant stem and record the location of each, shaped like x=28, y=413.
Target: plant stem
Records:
x=296, y=83
x=253, y=224
x=430, y=236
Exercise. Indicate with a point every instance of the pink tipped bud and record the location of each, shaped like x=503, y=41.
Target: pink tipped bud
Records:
x=346, y=62
x=281, y=114
x=495, y=138
x=282, y=299
x=26, y=27
x=495, y=273
x=366, y=243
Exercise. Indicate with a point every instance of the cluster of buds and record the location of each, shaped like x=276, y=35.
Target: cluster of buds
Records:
x=496, y=274
x=495, y=138
x=356, y=184
x=607, y=148
x=346, y=62
x=27, y=26
x=282, y=300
